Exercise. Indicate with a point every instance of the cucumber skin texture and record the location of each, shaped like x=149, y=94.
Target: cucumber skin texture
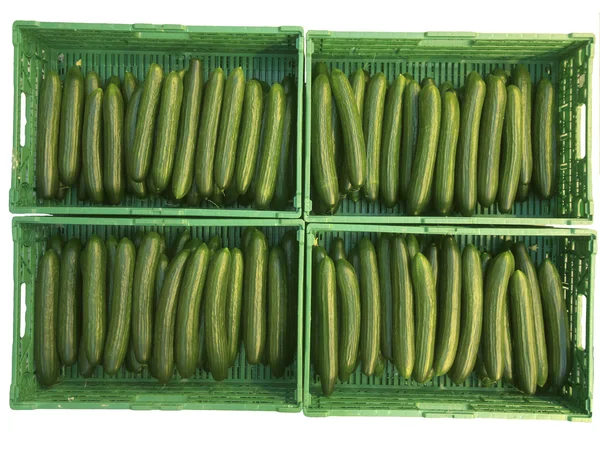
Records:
x=233, y=315
x=443, y=186
x=131, y=364
x=92, y=146
x=161, y=270
x=556, y=322
x=128, y=87
x=48, y=126
x=318, y=253
x=328, y=323
x=69, y=303
x=278, y=292
x=183, y=170
x=181, y=241
x=521, y=78
x=337, y=249
x=131, y=114
x=215, y=298
x=255, y=296
x=385, y=288
x=421, y=179
x=544, y=151
x=143, y=296
x=403, y=322
x=449, y=306
x=285, y=186
x=111, y=257
x=229, y=125
x=47, y=364
x=524, y=263
x=410, y=128
x=349, y=313
x=512, y=151
x=390, y=145
x=56, y=242
x=354, y=141
x=163, y=156
x=112, y=110
x=370, y=333
x=91, y=82
x=71, y=121
x=93, y=270
x=507, y=349
x=144, y=131
x=164, y=332
x=468, y=145
x=445, y=86
x=433, y=256
x=372, y=131
x=502, y=74
x=412, y=245
x=358, y=81
x=117, y=337
x=324, y=176
x=207, y=133
x=427, y=82
x=494, y=302
x=270, y=151
x=86, y=370
x=471, y=316
x=425, y=318
x=289, y=244
x=113, y=79
x=523, y=329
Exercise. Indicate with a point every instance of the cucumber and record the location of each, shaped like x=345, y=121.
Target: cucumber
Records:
x=486, y=259
x=445, y=86
x=403, y=323
x=193, y=244
x=141, y=153
x=490, y=135
x=427, y=81
x=372, y=129
x=164, y=330
x=494, y=302
x=192, y=198
x=468, y=144
x=285, y=186
x=233, y=314
x=337, y=249
x=384, y=264
x=131, y=115
x=246, y=235
x=128, y=87
x=229, y=124
x=556, y=323
x=161, y=270
x=81, y=194
x=111, y=258
x=117, y=337
x=48, y=125
x=390, y=145
x=349, y=313
x=380, y=366
x=202, y=358
x=358, y=82
x=421, y=180
x=522, y=191
x=207, y=134
x=354, y=141
x=278, y=291
x=69, y=303
x=354, y=259
x=112, y=110
x=522, y=79
x=507, y=350
x=214, y=244
x=270, y=151
x=471, y=315
x=113, y=79
x=425, y=318
x=71, y=121
x=481, y=372
x=56, y=242
x=289, y=244
x=370, y=296
x=91, y=82
x=131, y=364
x=412, y=245
x=255, y=296
x=318, y=69
x=86, y=370
x=62, y=191
x=408, y=76
x=92, y=146
x=183, y=170
x=47, y=364
x=432, y=255
x=318, y=254
x=249, y=139
x=410, y=127
x=143, y=296
x=523, y=326
x=502, y=74
x=328, y=327
x=324, y=176
x=163, y=156
x=181, y=241
x=544, y=147
x=93, y=270
x=443, y=186
x=512, y=151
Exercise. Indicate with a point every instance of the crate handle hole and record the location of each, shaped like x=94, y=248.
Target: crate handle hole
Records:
x=581, y=138
x=23, y=107
x=581, y=323
x=23, y=309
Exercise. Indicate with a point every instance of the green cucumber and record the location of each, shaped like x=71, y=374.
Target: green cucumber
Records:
x=328, y=327
x=445, y=86
x=425, y=318
x=358, y=81
x=112, y=110
x=91, y=82
x=48, y=125
x=507, y=350
x=512, y=151
x=192, y=198
x=128, y=87
x=544, y=147
x=289, y=244
x=521, y=78
x=71, y=121
x=354, y=259
x=412, y=245
x=233, y=314
x=410, y=128
x=81, y=194
x=432, y=254
x=427, y=81
x=111, y=258
x=56, y=242
x=202, y=358
x=370, y=296
x=318, y=254
x=408, y=76
x=349, y=313
x=161, y=269
x=113, y=79
x=372, y=130
x=62, y=191
x=86, y=370
x=214, y=244
x=131, y=115
x=278, y=291
x=502, y=74
x=486, y=259
x=318, y=69
x=92, y=146
x=69, y=303
x=193, y=244
x=180, y=241
x=337, y=249
x=384, y=264
x=131, y=364
x=246, y=235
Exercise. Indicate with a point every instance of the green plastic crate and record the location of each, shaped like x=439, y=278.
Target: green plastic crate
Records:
x=572, y=250
x=566, y=59
x=268, y=54
x=247, y=387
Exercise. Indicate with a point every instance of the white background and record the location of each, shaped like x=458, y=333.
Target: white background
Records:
x=113, y=429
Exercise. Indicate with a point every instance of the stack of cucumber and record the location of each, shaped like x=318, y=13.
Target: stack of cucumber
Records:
x=435, y=149
x=433, y=310
x=222, y=141
x=137, y=303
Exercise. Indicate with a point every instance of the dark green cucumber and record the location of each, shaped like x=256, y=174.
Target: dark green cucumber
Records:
x=481, y=372
x=384, y=265
x=468, y=144
x=494, y=302
x=408, y=76
x=69, y=303
x=358, y=81
x=233, y=314
x=285, y=186
x=93, y=270
x=337, y=249
x=354, y=259
x=91, y=82
x=556, y=323
x=328, y=324
x=193, y=244
x=318, y=254
x=425, y=318
x=246, y=235
x=507, y=350
x=161, y=269
x=141, y=153
x=86, y=370
x=486, y=259
x=214, y=244
x=113, y=110
x=202, y=358
x=71, y=121
x=48, y=125
x=81, y=194
x=117, y=337
x=410, y=128
x=427, y=81
x=111, y=258
x=163, y=157
x=192, y=198
x=512, y=150
x=47, y=363
x=432, y=254
x=445, y=86
x=278, y=291
x=349, y=313
x=92, y=146
x=180, y=241
x=113, y=79
x=128, y=87
x=502, y=74
x=62, y=191
x=372, y=130
x=521, y=78
x=490, y=135
x=56, y=242
x=443, y=186
x=289, y=244
x=318, y=69
x=131, y=364
x=471, y=315
x=370, y=297
x=207, y=134
x=131, y=115
x=379, y=366
x=412, y=245
x=544, y=147
x=390, y=145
